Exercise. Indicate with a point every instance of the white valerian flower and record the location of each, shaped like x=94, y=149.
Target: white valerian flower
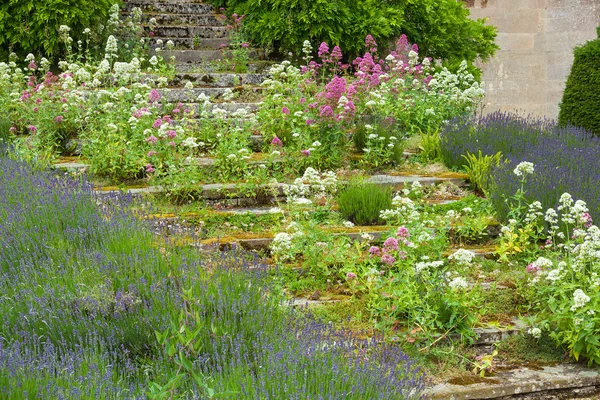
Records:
x=275, y=210
x=580, y=299
x=458, y=283
x=535, y=332
x=189, y=142
x=348, y=224
x=462, y=257
x=189, y=85
x=372, y=136
x=111, y=47
x=153, y=61
x=524, y=168
x=316, y=143
x=302, y=201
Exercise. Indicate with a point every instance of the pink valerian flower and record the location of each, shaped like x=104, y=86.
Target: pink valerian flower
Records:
x=158, y=123
x=587, y=220
x=176, y=111
x=149, y=168
x=310, y=122
x=336, y=54
x=532, y=268
x=172, y=144
x=151, y=153
x=403, y=232
x=137, y=114
x=326, y=111
x=276, y=141
x=371, y=44
x=374, y=251
x=167, y=119
x=154, y=96
x=32, y=128
x=38, y=100
x=402, y=45
x=151, y=34
x=32, y=66
x=302, y=100
x=245, y=45
x=58, y=119
x=152, y=139
x=305, y=152
x=350, y=276
x=285, y=110
x=415, y=48
x=390, y=244
x=402, y=255
x=323, y=50
x=171, y=134
x=35, y=109
x=388, y=259
x=12, y=129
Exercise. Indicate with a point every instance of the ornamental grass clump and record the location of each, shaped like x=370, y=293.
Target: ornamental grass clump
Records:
x=565, y=158
x=362, y=203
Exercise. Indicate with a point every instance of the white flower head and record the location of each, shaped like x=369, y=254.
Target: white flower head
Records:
x=524, y=168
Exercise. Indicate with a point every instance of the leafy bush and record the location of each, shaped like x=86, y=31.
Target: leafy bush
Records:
x=565, y=158
x=581, y=98
x=286, y=24
x=28, y=26
x=361, y=203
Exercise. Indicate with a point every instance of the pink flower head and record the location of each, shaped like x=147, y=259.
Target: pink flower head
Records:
x=171, y=134
x=151, y=34
x=326, y=111
x=371, y=44
x=587, y=220
x=323, y=50
x=32, y=66
x=13, y=129
x=285, y=110
x=166, y=119
x=149, y=168
x=390, y=244
x=154, y=96
x=32, y=128
x=302, y=100
x=245, y=45
x=276, y=141
x=336, y=53
x=151, y=153
x=415, y=48
x=152, y=139
x=403, y=232
x=38, y=100
x=172, y=144
x=58, y=119
x=402, y=255
x=350, y=276
x=374, y=250
x=388, y=259
x=63, y=100
x=310, y=122
x=157, y=124
x=176, y=111
x=533, y=269
x=306, y=152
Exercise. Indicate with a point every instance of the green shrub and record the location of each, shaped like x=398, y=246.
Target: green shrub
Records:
x=286, y=24
x=581, y=99
x=361, y=203
x=32, y=26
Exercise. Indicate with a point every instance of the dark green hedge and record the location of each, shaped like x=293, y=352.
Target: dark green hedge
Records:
x=31, y=26
x=580, y=105
x=441, y=28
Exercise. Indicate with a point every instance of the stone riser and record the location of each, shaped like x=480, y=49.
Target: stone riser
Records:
x=191, y=95
x=185, y=19
x=205, y=67
x=199, y=44
x=205, y=32
x=171, y=8
x=218, y=80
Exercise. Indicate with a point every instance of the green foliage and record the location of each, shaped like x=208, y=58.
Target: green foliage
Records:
x=581, y=98
x=28, y=26
x=479, y=167
x=361, y=203
x=443, y=27
x=430, y=145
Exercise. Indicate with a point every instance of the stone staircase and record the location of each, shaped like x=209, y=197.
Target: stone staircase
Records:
x=200, y=38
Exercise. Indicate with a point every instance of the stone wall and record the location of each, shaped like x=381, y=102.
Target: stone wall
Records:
x=536, y=38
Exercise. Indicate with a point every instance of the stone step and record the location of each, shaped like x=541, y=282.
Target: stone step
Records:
x=212, y=64
x=184, y=19
x=170, y=7
x=551, y=382
x=176, y=95
x=191, y=56
x=234, y=194
x=193, y=44
x=189, y=31
x=217, y=79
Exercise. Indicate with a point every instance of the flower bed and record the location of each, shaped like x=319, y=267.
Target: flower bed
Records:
x=566, y=159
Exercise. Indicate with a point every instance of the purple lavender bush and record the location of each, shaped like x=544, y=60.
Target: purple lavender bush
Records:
x=86, y=285
x=565, y=158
